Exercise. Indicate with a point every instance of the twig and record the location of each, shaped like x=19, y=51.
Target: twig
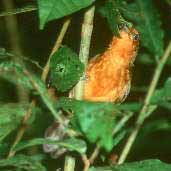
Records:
x=121, y=123
x=69, y=163
x=142, y=115
x=56, y=47
x=86, y=33
x=95, y=153
x=18, y=11
x=86, y=162
x=22, y=129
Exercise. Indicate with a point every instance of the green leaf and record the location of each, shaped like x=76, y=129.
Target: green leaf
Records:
x=111, y=12
x=154, y=126
x=162, y=96
x=54, y=9
x=27, y=163
x=146, y=17
x=133, y=107
x=96, y=120
x=13, y=72
x=32, y=81
x=72, y=144
x=66, y=69
x=146, y=165
x=10, y=117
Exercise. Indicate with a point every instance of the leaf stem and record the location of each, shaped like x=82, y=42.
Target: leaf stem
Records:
x=86, y=32
x=142, y=114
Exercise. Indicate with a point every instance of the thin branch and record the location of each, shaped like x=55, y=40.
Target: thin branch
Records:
x=25, y=9
x=86, y=32
x=56, y=47
x=95, y=153
x=142, y=115
x=22, y=129
x=69, y=163
x=86, y=162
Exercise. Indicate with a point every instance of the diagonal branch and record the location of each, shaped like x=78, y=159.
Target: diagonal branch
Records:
x=23, y=127
x=142, y=115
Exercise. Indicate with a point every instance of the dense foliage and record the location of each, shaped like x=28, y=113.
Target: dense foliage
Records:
x=32, y=97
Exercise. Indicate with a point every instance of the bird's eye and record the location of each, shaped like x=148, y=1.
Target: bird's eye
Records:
x=135, y=37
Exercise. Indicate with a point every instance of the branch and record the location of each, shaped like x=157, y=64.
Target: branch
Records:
x=86, y=32
x=22, y=129
x=56, y=47
x=116, y=129
x=142, y=115
x=25, y=9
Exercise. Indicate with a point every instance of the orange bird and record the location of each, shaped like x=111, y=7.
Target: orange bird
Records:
x=108, y=75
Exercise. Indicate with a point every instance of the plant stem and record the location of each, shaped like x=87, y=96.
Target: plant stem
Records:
x=69, y=163
x=142, y=115
x=56, y=47
x=22, y=129
x=86, y=32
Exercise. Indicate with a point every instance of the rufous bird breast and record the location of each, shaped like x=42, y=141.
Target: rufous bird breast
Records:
x=108, y=75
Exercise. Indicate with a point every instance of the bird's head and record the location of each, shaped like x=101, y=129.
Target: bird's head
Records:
x=129, y=42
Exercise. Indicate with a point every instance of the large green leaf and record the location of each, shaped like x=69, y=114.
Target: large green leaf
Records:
x=96, y=120
x=10, y=117
x=146, y=165
x=72, y=144
x=66, y=69
x=146, y=17
x=54, y=9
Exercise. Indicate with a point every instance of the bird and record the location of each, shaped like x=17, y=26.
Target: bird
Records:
x=109, y=74
x=108, y=79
